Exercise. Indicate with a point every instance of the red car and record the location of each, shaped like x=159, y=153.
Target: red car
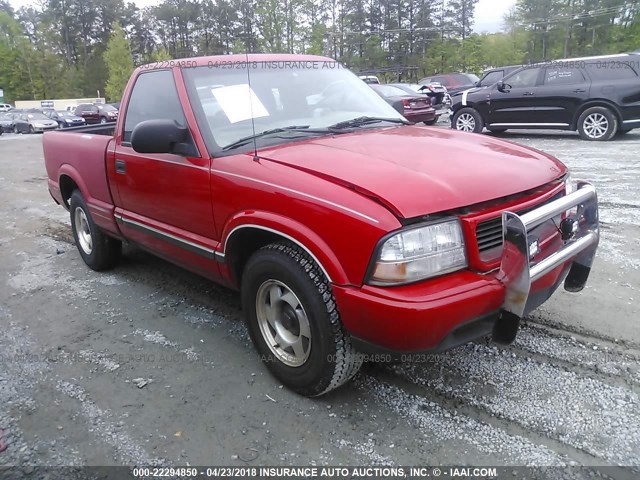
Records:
x=97, y=113
x=348, y=232
x=416, y=108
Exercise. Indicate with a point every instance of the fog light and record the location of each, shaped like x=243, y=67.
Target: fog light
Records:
x=568, y=228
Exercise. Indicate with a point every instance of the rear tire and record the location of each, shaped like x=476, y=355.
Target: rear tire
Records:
x=31, y=130
x=431, y=122
x=294, y=322
x=468, y=120
x=99, y=251
x=597, y=124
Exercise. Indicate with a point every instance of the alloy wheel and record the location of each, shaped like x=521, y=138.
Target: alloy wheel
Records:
x=466, y=123
x=83, y=230
x=596, y=125
x=283, y=323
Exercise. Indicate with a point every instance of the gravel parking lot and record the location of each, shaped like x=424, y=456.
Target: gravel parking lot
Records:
x=151, y=364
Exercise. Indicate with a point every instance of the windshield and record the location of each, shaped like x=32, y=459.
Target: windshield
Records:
x=107, y=108
x=280, y=96
x=37, y=116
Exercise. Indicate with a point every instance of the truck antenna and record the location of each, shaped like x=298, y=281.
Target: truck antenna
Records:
x=253, y=124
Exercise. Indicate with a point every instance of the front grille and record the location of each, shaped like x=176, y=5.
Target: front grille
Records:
x=489, y=232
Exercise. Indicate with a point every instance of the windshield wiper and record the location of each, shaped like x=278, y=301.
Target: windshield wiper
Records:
x=293, y=128
x=360, y=121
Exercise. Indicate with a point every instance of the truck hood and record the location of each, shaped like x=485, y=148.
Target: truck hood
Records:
x=416, y=171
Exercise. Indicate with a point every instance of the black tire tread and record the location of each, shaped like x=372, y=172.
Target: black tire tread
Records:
x=107, y=251
x=348, y=361
x=614, y=119
x=476, y=114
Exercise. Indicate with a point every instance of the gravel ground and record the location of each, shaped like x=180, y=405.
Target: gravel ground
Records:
x=149, y=364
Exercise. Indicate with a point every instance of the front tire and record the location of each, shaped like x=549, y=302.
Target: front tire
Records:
x=294, y=322
x=99, y=251
x=31, y=130
x=430, y=123
x=468, y=120
x=103, y=120
x=597, y=124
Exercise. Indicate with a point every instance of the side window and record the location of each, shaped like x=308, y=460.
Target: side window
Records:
x=491, y=78
x=441, y=80
x=154, y=97
x=610, y=70
x=527, y=77
x=562, y=76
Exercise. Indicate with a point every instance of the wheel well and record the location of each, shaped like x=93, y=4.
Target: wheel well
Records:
x=596, y=103
x=67, y=186
x=244, y=243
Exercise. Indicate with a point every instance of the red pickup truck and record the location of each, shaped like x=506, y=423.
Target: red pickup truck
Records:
x=350, y=233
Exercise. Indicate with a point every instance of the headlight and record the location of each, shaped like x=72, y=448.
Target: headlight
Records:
x=418, y=253
x=569, y=185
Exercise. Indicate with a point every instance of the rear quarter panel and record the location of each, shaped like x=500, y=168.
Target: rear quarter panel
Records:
x=81, y=157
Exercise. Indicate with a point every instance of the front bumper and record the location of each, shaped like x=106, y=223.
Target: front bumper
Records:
x=44, y=129
x=444, y=312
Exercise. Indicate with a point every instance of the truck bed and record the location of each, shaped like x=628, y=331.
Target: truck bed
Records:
x=83, y=166
x=107, y=129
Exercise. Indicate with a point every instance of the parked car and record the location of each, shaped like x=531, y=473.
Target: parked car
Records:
x=66, y=119
x=370, y=79
x=5, y=107
x=413, y=106
x=440, y=99
x=347, y=231
x=455, y=82
x=597, y=96
x=32, y=122
x=71, y=108
x=97, y=112
x=492, y=76
x=6, y=122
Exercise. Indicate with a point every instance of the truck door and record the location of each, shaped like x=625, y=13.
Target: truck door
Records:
x=163, y=200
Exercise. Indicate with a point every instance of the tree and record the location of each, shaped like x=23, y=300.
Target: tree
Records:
x=119, y=62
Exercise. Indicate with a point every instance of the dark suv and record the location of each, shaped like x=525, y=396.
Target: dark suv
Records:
x=597, y=96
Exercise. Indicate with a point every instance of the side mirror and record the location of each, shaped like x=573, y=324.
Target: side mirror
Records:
x=160, y=136
x=503, y=87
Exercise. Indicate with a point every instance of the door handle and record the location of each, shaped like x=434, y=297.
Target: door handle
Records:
x=579, y=90
x=121, y=166
x=528, y=94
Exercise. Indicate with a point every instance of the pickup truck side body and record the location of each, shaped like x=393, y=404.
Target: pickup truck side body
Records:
x=335, y=199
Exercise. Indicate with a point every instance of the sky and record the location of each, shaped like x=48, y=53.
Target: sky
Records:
x=489, y=13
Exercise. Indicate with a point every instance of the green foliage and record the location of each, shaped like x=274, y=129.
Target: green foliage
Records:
x=119, y=63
